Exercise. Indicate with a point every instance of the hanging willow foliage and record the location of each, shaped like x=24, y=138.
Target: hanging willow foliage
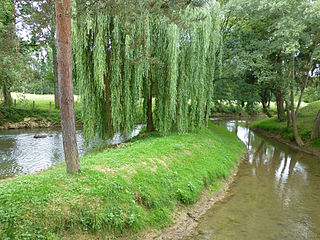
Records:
x=122, y=63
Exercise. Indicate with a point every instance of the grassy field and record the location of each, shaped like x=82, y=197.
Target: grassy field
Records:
x=119, y=192
x=41, y=110
x=305, y=121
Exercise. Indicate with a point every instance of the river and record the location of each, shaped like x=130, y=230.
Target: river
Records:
x=275, y=195
x=21, y=153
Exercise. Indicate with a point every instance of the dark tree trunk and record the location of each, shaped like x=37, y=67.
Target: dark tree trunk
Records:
x=315, y=129
x=150, y=126
x=280, y=108
x=64, y=53
x=7, y=96
x=264, y=101
x=265, y=109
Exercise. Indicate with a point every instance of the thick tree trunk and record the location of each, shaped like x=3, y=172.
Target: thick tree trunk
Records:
x=64, y=50
x=280, y=108
x=150, y=126
x=315, y=129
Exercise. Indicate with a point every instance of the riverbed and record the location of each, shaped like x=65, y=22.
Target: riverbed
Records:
x=275, y=195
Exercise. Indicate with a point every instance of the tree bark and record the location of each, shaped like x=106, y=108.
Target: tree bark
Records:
x=280, y=108
x=150, y=126
x=315, y=129
x=64, y=53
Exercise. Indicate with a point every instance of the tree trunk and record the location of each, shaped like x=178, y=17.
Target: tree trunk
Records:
x=64, y=53
x=280, y=108
x=288, y=114
x=7, y=96
x=150, y=126
x=264, y=101
x=265, y=109
x=293, y=114
x=315, y=129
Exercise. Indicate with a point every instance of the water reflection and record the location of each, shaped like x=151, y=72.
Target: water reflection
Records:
x=21, y=153
x=276, y=194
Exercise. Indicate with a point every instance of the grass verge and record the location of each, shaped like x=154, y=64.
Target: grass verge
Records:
x=24, y=109
x=305, y=122
x=119, y=192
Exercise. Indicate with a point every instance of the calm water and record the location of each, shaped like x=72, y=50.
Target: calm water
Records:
x=21, y=153
x=276, y=194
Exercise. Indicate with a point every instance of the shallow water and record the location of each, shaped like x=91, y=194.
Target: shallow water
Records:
x=275, y=195
x=21, y=153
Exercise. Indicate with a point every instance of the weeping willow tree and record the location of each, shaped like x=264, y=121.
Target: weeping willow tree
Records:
x=165, y=66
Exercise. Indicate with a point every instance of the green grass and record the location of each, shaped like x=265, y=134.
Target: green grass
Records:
x=305, y=120
x=24, y=109
x=119, y=192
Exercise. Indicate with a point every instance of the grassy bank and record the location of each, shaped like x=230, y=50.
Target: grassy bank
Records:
x=119, y=192
x=41, y=110
x=305, y=121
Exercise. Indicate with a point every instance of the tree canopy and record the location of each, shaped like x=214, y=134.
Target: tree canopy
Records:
x=121, y=64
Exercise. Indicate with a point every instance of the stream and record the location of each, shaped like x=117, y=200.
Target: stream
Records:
x=275, y=195
x=21, y=153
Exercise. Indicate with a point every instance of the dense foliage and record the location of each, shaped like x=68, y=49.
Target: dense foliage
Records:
x=121, y=63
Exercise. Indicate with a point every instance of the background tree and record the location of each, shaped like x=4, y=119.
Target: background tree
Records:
x=38, y=16
x=13, y=62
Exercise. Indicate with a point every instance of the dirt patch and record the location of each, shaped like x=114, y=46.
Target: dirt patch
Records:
x=306, y=148
x=187, y=219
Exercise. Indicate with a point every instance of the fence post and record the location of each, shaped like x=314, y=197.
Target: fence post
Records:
x=50, y=106
x=33, y=105
x=15, y=102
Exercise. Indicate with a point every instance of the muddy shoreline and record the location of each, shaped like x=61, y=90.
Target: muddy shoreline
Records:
x=306, y=148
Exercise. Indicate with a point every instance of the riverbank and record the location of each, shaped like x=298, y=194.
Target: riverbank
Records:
x=121, y=192
x=273, y=128
x=26, y=115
